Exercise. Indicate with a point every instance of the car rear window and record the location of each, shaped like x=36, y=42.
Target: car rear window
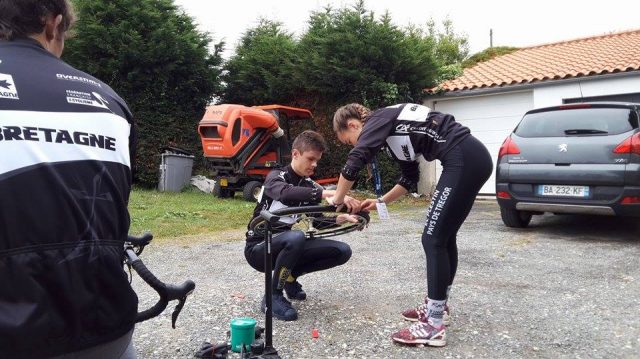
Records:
x=582, y=121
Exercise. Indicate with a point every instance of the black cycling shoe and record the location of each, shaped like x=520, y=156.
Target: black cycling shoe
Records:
x=282, y=308
x=294, y=291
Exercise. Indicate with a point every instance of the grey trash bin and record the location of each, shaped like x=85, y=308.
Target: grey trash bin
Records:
x=175, y=171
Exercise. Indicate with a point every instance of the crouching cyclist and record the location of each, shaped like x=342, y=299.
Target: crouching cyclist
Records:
x=293, y=255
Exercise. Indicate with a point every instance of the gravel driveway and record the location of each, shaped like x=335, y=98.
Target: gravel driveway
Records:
x=567, y=287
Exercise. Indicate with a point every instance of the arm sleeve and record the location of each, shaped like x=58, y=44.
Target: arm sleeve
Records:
x=372, y=138
x=133, y=144
x=410, y=175
x=133, y=133
x=276, y=187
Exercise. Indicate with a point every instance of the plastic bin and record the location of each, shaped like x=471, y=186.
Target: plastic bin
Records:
x=175, y=171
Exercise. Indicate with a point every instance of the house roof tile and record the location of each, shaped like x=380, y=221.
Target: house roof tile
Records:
x=596, y=55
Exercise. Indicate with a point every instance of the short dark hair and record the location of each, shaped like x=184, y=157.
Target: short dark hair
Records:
x=309, y=141
x=22, y=18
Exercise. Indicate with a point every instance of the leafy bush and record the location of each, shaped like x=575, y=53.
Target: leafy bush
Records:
x=153, y=56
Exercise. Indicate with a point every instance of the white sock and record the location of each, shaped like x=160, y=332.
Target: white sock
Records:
x=435, y=312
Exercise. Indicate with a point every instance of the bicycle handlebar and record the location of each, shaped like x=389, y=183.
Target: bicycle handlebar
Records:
x=141, y=241
x=167, y=292
x=269, y=216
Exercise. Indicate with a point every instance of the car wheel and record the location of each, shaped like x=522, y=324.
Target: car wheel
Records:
x=514, y=218
x=251, y=191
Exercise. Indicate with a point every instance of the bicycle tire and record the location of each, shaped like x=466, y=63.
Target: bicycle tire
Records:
x=307, y=218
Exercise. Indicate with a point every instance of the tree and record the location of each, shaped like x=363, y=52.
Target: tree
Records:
x=449, y=50
x=350, y=55
x=260, y=71
x=151, y=53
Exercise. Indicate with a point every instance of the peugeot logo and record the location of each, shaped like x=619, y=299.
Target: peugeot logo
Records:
x=562, y=147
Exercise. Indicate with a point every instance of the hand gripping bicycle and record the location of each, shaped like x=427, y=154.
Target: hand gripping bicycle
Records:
x=133, y=247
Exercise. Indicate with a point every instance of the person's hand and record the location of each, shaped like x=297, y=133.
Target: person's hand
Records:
x=369, y=204
x=352, y=204
x=331, y=200
x=346, y=218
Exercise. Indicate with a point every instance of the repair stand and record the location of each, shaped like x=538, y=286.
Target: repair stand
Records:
x=257, y=350
x=269, y=351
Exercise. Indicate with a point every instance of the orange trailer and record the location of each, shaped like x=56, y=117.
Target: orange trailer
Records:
x=242, y=144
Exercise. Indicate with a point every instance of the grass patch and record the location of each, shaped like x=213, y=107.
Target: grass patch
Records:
x=405, y=202
x=409, y=202
x=168, y=214
x=191, y=212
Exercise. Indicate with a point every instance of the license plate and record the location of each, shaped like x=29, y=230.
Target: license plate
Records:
x=563, y=191
x=224, y=182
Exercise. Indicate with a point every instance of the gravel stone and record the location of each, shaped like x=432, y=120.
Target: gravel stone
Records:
x=566, y=287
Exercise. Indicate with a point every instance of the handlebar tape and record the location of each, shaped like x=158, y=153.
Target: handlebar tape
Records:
x=156, y=284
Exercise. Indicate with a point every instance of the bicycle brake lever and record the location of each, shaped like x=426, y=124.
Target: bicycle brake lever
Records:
x=176, y=311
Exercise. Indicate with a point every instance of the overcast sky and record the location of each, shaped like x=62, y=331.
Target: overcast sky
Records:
x=514, y=23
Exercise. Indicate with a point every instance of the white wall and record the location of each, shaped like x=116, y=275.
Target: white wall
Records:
x=553, y=95
x=490, y=118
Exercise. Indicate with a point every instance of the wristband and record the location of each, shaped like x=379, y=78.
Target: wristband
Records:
x=380, y=200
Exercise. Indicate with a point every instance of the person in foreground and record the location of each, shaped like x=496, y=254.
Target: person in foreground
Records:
x=293, y=254
x=66, y=145
x=410, y=131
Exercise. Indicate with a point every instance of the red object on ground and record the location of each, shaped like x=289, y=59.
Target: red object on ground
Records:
x=237, y=295
x=314, y=333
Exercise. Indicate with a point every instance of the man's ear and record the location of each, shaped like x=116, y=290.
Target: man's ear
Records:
x=295, y=153
x=52, y=27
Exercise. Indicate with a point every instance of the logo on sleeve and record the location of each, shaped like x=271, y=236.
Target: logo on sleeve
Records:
x=78, y=79
x=85, y=98
x=8, y=87
x=406, y=152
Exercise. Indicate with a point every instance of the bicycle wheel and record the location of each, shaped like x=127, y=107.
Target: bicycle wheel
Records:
x=314, y=221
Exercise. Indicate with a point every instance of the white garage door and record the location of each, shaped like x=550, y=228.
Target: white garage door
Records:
x=490, y=119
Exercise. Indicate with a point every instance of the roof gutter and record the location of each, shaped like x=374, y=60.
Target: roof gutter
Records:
x=527, y=86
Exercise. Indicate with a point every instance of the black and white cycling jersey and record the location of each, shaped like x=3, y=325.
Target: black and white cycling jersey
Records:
x=66, y=148
x=407, y=131
x=285, y=188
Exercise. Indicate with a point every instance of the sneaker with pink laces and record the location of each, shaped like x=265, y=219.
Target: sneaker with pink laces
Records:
x=414, y=314
x=422, y=333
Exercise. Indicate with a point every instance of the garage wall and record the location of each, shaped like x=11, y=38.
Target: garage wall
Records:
x=544, y=96
x=490, y=118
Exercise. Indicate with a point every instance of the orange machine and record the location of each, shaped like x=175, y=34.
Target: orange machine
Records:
x=242, y=144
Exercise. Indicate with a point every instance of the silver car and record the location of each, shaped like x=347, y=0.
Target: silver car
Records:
x=579, y=158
